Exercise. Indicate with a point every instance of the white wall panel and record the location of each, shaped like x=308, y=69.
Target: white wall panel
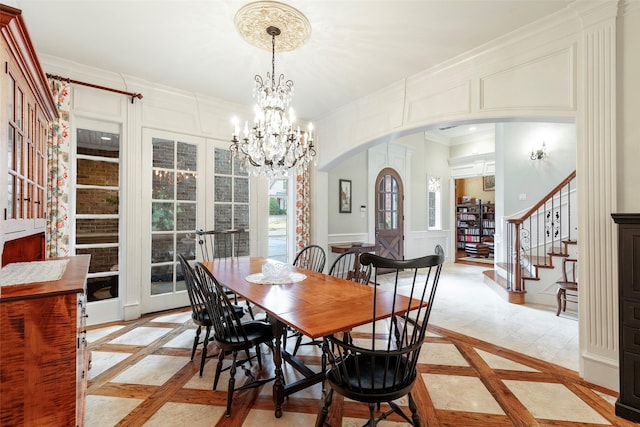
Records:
x=545, y=82
x=421, y=105
x=159, y=117
x=98, y=103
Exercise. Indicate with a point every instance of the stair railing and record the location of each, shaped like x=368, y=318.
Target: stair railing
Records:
x=541, y=231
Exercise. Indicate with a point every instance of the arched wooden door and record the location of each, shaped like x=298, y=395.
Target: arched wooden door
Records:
x=390, y=214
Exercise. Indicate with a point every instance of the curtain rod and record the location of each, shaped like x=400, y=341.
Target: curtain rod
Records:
x=68, y=80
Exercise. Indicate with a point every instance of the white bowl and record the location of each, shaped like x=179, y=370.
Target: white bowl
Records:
x=276, y=270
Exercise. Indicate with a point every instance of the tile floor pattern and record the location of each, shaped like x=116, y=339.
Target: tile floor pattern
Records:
x=141, y=373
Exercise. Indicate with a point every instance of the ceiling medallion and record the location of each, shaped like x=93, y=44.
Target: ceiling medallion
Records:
x=252, y=19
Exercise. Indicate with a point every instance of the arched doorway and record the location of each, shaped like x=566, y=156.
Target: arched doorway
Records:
x=390, y=214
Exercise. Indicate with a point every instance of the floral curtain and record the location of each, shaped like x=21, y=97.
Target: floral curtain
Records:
x=57, y=233
x=303, y=217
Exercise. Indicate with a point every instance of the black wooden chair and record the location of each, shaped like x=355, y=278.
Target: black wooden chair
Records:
x=438, y=250
x=217, y=244
x=220, y=243
x=199, y=314
x=231, y=335
x=568, y=286
x=377, y=372
x=347, y=266
x=342, y=267
x=311, y=257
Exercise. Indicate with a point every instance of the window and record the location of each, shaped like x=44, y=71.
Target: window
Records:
x=434, y=207
x=278, y=197
x=97, y=200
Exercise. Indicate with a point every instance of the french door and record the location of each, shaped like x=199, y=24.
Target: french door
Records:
x=173, y=187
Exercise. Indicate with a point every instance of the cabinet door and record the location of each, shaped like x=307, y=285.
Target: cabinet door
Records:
x=629, y=257
x=27, y=131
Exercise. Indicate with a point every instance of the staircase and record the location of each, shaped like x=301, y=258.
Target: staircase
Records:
x=535, y=244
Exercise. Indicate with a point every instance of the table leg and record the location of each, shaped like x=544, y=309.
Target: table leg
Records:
x=278, y=384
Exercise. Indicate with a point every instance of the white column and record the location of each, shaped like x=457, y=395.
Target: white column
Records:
x=597, y=194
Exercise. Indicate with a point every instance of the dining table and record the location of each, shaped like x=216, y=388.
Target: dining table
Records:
x=315, y=304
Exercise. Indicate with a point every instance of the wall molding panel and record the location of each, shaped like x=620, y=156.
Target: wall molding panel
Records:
x=422, y=107
x=544, y=83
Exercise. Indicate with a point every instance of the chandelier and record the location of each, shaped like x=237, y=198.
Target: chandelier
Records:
x=273, y=145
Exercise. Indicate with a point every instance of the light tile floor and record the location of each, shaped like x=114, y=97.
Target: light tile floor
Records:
x=484, y=362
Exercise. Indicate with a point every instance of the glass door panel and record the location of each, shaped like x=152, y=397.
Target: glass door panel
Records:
x=97, y=207
x=173, y=212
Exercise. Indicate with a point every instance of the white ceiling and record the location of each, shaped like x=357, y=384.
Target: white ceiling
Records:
x=356, y=46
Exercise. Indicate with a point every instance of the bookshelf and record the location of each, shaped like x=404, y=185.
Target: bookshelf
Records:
x=475, y=223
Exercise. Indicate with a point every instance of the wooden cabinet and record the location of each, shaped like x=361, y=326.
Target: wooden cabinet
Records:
x=475, y=223
x=44, y=362
x=26, y=109
x=628, y=403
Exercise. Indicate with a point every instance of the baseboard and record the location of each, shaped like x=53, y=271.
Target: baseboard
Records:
x=599, y=370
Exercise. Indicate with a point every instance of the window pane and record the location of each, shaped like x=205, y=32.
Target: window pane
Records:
x=222, y=162
x=18, y=189
x=18, y=161
x=241, y=216
x=10, y=95
x=93, y=172
x=186, y=216
x=102, y=259
x=96, y=231
x=222, y=191
x=96, y=201
x=241, y=190
x=99, y=288
x=237, y=168
x=163, y=154
x=161, y=279
x=161, y=248
x=10, y=182
x=222, y=215
x=162, y=185
x=186, y=245
x=187, y=156
x=186, y=186
x=10, y=155
x=432, y=209
x=162, y=216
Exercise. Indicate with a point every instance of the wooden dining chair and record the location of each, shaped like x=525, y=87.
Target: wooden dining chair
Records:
x=311, y=257
x=231, y=334
x=347, y=266
x=220, y=243
x=199, y=314
x=568, y=286
x=384, y=368
x=216, y=244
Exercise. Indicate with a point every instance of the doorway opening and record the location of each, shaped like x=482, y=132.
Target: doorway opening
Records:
x=475, y=220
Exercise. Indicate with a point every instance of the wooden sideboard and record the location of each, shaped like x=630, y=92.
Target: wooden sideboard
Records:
x=44, y=361
x=628, y=403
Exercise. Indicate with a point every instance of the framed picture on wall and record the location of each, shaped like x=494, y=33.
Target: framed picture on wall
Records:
x=489, y=182
x=345, y=196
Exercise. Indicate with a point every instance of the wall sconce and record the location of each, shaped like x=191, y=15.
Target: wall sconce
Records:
x=539, y=154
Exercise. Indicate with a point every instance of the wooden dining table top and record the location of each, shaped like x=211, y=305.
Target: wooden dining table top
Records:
x=317, y=306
